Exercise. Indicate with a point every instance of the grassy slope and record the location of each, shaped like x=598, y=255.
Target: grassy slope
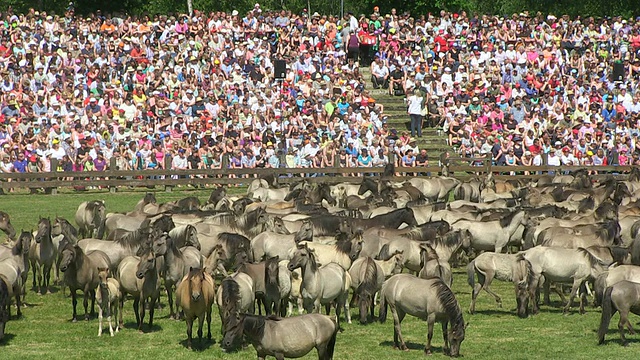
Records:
x=492, y=334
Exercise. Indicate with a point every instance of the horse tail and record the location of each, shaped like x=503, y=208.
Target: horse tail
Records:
x=367, y=288
x=471, y=273
x=635, y=251
x=458, y=193
x=331, y=346
x=607, y=313
x=383, y=306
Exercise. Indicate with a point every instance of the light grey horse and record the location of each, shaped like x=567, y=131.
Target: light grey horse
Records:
x=90, y=218
x=488, y=266
x=432, y=266
x=270, y=244
x=139, y=277
x=326, y=285
x=15, y=267
x=42, y=256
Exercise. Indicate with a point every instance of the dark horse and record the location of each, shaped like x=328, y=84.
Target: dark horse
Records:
x=330, y=224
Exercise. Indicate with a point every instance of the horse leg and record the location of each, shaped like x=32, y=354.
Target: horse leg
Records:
x=34, y=266
x=574, y=291
x=345, y=303
x=623, y=320
x=18, y=303
x=327, y=308
x=100, y=321
x=152, y=310
x=189, y=320
x=172, y=314
x=209, y=324
x=85, y=302
x=398, y=316
x=40, y=272
x=445, y=336
x=547, y=300
x=47, y=277
x=430, y=325
x=338, y=310
x=74, y=301
x=136, y=308
x=120, y=306
x=488, y=279
x=200, y=324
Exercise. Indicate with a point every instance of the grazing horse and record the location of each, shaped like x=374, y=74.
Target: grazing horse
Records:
x=107, y=296
x=289, y=337
x=139, y=276
x=81, y=273
x=5, y=304
x=324, y=285
x=367, y=277
x=42, y=255
x=177, y=264
x=5, y=225
x=196, y=294
x=90, y=218
x=623, y=297
x=235, y=295
x=427, y=299
x=14, y=268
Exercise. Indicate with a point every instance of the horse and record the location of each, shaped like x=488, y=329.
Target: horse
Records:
x=196, y=294
x=5, y=225
x=120, y=248
x=235, y=295
x=367, y=278
x=90, y=218
x=14, y=268
x=42, y=255
x=493, y=235
x=231, y=243
x=319, y=192
x=469, y=191
x=288, y=337
x=343, y=253
x=560, y=265
x=107, y=296
x=427, y=299
x=217, y=195
x=185, y=235
x=177, y=264
x=257, y=272
x=276, y=290
x=270, y=244
x=139, y=277
x=488, y=266
x=613, y=276
x=435, y=189
x=432, y=266
x=62, y=226
x=149, y=198
x=215, y=261
x=5, y=304
x=325, y=285
x=80, y=271
x=623, y=297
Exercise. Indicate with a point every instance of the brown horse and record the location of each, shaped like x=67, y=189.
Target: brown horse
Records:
x=107, y=296
x=196, y=294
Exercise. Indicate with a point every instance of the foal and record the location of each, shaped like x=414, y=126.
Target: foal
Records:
x=107, y=296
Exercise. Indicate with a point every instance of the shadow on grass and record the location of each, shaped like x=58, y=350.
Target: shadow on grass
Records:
x=198, y=345
x=145, y=327
x=411, y=346
x=616, y=340
x=7, y=339
x=495, y=312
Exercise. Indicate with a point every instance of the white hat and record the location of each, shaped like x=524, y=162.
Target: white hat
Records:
x=234, y=13
x=92, y=99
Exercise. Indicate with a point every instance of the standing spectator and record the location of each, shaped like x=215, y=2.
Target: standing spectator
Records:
x=416, y=103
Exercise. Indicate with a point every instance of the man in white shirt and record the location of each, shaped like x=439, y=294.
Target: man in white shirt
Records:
x=379, y=74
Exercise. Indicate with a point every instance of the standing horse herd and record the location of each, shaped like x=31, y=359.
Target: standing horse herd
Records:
x=305, y=247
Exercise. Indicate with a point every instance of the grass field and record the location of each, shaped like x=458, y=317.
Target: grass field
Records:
x=46, y=332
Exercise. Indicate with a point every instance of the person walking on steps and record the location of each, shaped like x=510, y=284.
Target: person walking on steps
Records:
x=415, y=104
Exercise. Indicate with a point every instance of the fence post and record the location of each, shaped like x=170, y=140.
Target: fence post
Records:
x=336, y=163
x=54, y=170
x=489, y=163
x=111, y=173
x=167, y=166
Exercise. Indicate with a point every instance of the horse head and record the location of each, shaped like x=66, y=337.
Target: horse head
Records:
x=5, y=225
x=195, y=278
x=325, y=193
x=192, y=237
x=409, y=217
x=234, y=328
x=300, y=257
x=159, y=245
x=103, y=276
x=356, y=245
x=368, y=184
x=272, y=270
x=279, y=226
x=44, y=229
x=24, y=241
x=216, y=260
x=305, y=233
x=68, y=256
x=147, y=264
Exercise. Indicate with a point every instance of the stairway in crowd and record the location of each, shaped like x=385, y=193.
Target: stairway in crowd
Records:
x=396, y=109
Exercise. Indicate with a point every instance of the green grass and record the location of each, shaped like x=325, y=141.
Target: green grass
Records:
x=493, y=333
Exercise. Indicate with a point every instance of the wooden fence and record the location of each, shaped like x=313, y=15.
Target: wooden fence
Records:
x=113, y=179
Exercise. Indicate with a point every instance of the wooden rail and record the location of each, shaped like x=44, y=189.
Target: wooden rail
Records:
x=113, y=179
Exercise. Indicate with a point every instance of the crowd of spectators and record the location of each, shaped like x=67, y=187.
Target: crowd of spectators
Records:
x=201, y=91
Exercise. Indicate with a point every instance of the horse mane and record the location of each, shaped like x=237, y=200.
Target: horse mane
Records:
x=593, y=261
x=449, y=239
x=634, y=249
x=133, y=238
x=67, y=226
x=586, y=204
x=605, y=207
x=451, y=306
x=529, y=274
x=254, y=325
x=230, y=295
x=93, y=205
x=618, y=253
x=343, y=246
x=313, y=260
x=235, y=242
x=507, y=219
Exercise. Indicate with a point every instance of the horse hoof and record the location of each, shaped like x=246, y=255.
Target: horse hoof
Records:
x=74, y=320
x=500, y=305
x=428, y=352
